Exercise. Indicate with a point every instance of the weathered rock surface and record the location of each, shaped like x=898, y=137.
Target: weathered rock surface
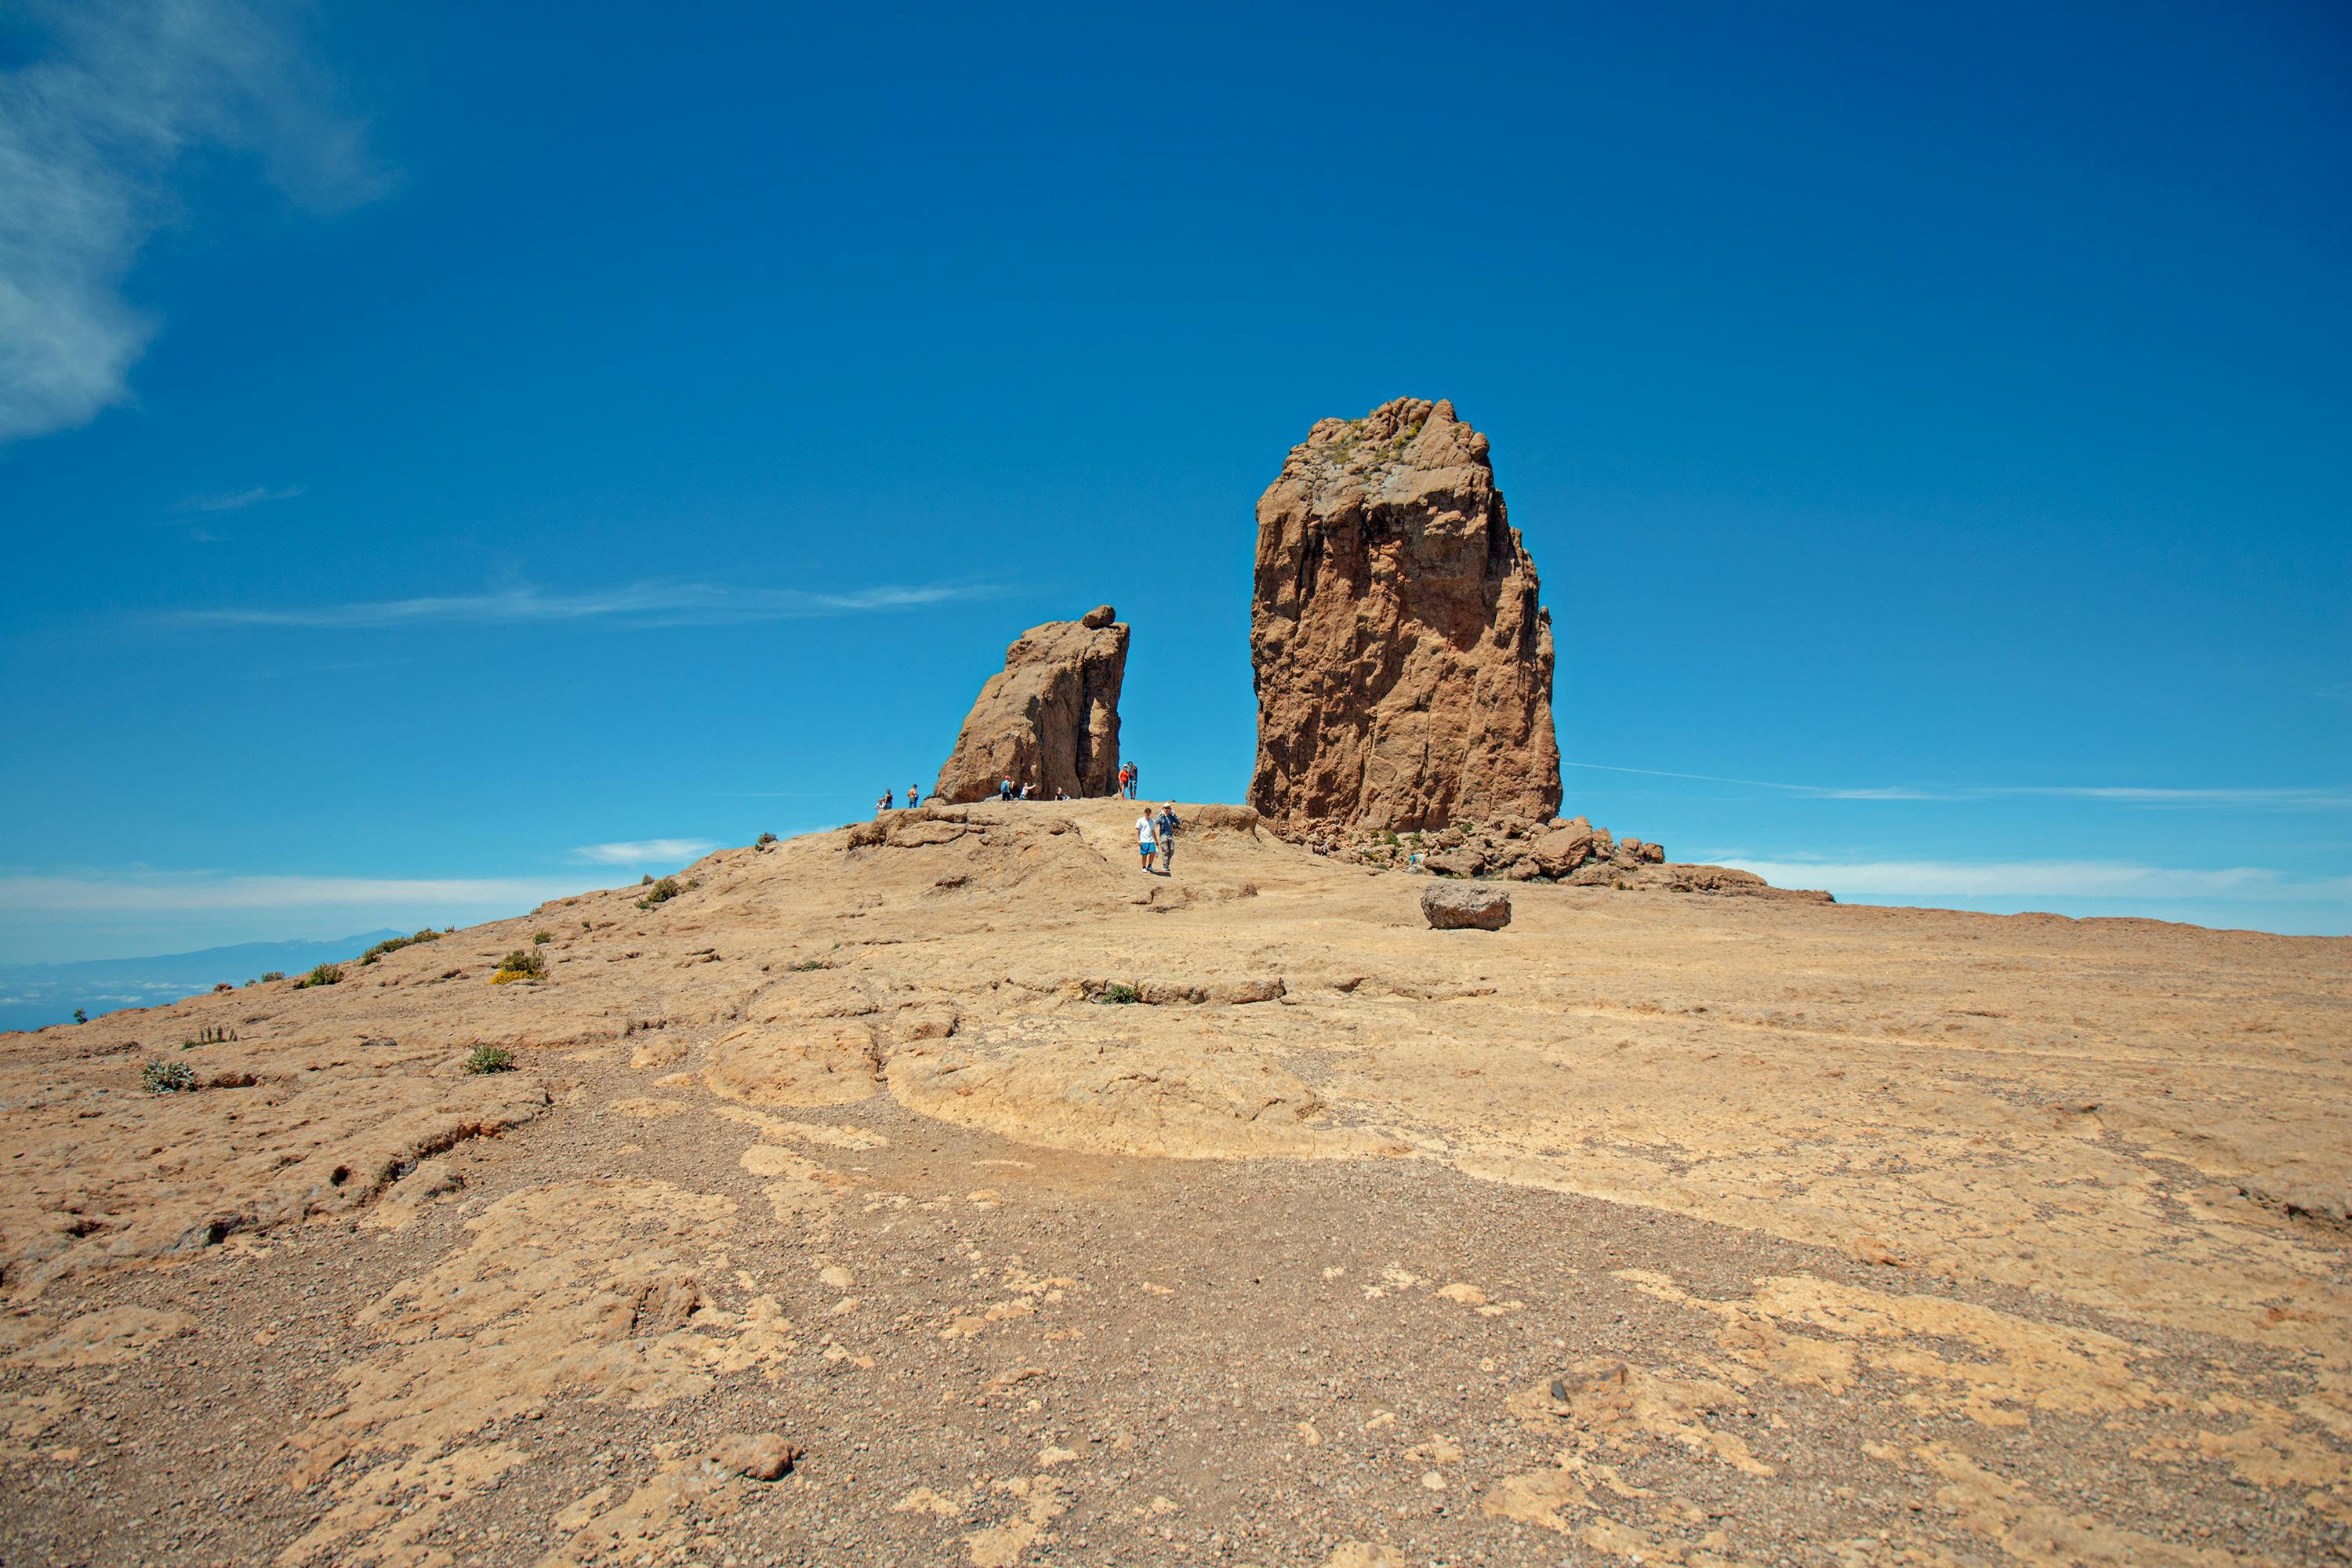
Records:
x=1049, y=719
x=1403, y=665
x=1456, y=906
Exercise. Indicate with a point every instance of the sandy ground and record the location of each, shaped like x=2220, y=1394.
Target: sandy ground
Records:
x=1657, y=1228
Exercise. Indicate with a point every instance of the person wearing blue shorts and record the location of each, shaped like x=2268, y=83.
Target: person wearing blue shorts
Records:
x=1144, y=841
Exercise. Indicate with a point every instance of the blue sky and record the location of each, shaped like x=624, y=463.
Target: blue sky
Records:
x=459, y=454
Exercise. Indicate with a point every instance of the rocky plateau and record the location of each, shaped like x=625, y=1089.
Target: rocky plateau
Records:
x=945, y=1189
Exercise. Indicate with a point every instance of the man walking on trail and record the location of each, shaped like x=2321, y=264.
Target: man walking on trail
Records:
x=1144, y=841
x=1165, y=826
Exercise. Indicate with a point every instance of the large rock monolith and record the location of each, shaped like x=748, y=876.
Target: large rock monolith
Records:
x=1049, y=719
x=1403, y=665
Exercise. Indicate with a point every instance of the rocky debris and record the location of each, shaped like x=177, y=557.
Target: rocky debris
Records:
x=764, y=1457
x=1453, y=906
x=1049, y=719
x=1563, y=849
x=1178, y=993
x=1403, y=666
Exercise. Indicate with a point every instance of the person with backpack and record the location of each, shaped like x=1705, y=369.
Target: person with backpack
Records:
x=1165, y=825
x=1145, y=842
x=912, y=798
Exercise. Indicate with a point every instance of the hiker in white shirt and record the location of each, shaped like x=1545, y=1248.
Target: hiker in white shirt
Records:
x=1144, y=841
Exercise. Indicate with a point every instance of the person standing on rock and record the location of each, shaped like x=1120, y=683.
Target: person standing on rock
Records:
x=1145, y=842
x=1005, y=789
x=912, y=798
x=885, y=806
x=1165, y=826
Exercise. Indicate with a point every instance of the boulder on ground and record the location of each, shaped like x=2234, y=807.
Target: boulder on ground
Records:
x=764, y=1457
x=1458, y=906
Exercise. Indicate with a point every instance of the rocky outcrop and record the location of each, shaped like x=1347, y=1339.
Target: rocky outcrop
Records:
x=1049, y=719
x=1403, y=666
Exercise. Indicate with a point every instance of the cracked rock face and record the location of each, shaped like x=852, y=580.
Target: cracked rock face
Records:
x=1403, y=665
x=1049, y=719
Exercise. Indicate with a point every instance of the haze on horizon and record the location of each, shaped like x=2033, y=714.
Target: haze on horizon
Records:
x=448, y=461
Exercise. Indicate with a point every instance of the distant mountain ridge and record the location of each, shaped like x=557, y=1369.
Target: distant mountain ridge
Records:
x=33, y=995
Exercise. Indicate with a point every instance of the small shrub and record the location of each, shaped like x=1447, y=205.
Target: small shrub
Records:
x=269, y=975
x=647, y=881
x=209, y=1035
x=660, y=893
x=168, y=1078
x=763, y=841
x=324, y=975
x=805, y=965
x=222, y=985
x=394, y=943
x=523, y=963
x=490, y=1058
x=541, y=938
x=81, y=1017
x=1119, y=995
x=587, y=925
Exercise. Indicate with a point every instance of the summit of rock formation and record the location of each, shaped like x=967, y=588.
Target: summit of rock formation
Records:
x=1049, y=719
x=1403, y=665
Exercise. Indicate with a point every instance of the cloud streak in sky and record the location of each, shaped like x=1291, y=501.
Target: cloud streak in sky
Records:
x=236, y=501
x=90, y=133
x=2321, y=798
x=2045, y=878
x=639, y=604
x=179, y=891
x=644, y=851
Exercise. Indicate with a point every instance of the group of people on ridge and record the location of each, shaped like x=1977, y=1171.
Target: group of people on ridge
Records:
x=1007, y=790
x=1155, y=833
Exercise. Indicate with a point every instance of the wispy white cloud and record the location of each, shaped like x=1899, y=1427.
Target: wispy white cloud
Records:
x=116, y=892
x=234, y=502
x=2045, y=878
x=2307, y=799
x=638, y=605
x=644, y=851
x=90, y=133
x=2318, y=798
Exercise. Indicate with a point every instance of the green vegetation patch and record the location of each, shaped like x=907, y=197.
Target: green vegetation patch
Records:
x=168, y=1078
